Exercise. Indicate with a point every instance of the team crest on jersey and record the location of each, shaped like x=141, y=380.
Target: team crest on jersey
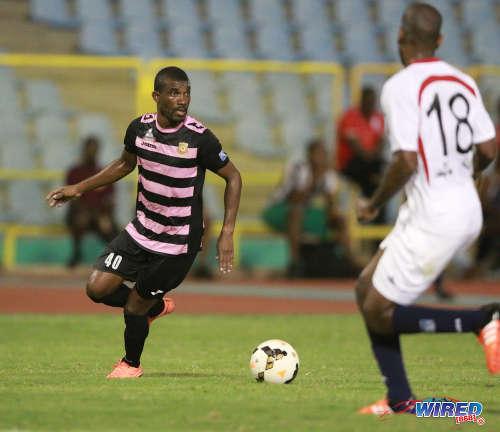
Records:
x=182, y=148
x=149, y=136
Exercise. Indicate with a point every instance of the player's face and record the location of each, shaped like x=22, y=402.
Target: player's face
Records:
x=173, y=100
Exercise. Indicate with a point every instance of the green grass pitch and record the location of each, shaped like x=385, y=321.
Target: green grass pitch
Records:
x=196, y=376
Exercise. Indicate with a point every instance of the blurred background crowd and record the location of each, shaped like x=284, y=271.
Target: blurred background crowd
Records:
x=291, y=88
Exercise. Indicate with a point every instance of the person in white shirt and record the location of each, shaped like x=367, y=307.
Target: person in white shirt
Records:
x=441, y=138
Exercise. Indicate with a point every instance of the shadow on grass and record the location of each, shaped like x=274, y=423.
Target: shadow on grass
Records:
x=185, y=375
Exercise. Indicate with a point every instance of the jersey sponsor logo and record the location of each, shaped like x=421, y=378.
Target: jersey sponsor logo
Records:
x=222, y=156
x=182, y=148
x=149, y=139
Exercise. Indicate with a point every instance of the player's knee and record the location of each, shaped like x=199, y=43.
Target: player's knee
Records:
x=95, y=289
x=135, y=308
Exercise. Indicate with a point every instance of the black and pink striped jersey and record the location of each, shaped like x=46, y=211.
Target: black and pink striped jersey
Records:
x=172, y=164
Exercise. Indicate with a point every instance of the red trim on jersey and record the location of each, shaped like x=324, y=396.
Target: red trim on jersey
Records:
x=425, y=60
x=435, y=78
x=422, y=155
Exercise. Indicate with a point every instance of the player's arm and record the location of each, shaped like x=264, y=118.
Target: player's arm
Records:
x=232, y=194
x=484, y=154
x=403, y=165
x=117, y=169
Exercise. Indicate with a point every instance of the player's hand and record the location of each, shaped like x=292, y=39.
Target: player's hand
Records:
x=225, y=252
x=364, y=211
x=58, y=197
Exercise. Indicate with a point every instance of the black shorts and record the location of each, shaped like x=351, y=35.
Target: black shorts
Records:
x=154, y=274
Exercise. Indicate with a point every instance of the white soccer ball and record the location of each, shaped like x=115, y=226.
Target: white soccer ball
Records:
x=274, y=361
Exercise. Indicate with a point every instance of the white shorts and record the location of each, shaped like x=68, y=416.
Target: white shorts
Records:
x=413, y=258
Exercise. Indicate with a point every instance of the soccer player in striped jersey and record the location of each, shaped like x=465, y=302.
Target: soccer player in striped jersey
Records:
x=441, y=138
x=157, y=248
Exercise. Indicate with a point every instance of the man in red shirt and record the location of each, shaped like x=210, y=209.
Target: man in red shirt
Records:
x=94, y=210
x=359, y=143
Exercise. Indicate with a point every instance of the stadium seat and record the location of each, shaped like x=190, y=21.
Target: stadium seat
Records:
x=318, y=44
x=452, y=49
x=28, y=205
x=93, y=10
x=321, y=85
x=143, y=41
x=391, y=43
x=477, y=12
x=289, y=95
x=125, y=202
x=186, y=41
x=310, y=13
x=273, y=43
x=42, y=96
x=225, y=12
x=55, y=146
x=183, y=12
x=296, y=132
x=360, y=44
x=389, y=12
x=9, y=98
x=244, y=93
x=348, y=12
x=231, y=42
x=253, y=134
x=485, y=42
x=137, y=11
x=54, y=12
x=92, y=124
x=205, y=97
x=265, y=11
x=98, y=37
x=15, y=150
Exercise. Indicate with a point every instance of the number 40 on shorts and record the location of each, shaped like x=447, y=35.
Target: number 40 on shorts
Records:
x=113, y=261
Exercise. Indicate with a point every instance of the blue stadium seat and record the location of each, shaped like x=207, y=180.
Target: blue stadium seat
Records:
x=360, y=44
x=244, y=93
x=98, y=37
x=321, y=85
x=253, y=134
x=485, y=42
x=186, y=41
x=391, y=43
x=140, y=11
x=183, y=12
x=389, y=12
x=15, y=151
x=54, y=12
x=348, y=12
x=296, y=132
x=231, y=42
x=452, y=49
x=311, y=13
x=289, y=95
x=42, y=96
x=225, y=12
x=54, y=143
x=27, y=203
x=318, y=44
x=265, y=11
x=93, y=10
x=125, y=202
x=476, y=12
x=143, y=40
x=204, y=97
x=9, y=98
x=273, y=43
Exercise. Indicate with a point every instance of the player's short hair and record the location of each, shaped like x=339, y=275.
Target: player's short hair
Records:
x=170, y=72
x=422, y=24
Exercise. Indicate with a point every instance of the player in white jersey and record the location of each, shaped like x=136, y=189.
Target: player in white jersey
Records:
x=441, y=138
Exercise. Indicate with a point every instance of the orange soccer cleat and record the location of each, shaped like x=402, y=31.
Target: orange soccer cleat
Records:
x=381, y=407
x=489, y=338
x=168, y=307
x=124, y=370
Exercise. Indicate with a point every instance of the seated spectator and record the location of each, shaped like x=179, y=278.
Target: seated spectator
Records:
x=93, y=211
x=359, y=143
x=304, y=207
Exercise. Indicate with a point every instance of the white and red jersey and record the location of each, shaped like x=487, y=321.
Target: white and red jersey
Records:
x=436, y=110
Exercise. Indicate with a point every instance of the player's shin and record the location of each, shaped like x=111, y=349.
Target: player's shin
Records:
x=387, y=351
x=417, y=319
x=136, y=332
